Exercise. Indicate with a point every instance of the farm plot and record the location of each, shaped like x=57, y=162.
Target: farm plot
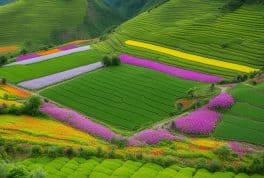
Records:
x=19, y=73
x=114, y=168
x=195, y=27
x=126, y=97
x=244, y=121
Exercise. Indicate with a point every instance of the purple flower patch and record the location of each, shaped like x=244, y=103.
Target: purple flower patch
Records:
x=222, y=101
x=178, y=72
x=27, y=56
x=201, y=121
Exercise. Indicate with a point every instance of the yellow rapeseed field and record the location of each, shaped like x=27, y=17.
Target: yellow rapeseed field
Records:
x=192, y=57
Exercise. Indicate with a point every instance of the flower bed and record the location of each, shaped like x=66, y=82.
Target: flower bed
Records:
x=239, y=148
x=68, y=47
x=152, y=137
x=202, y=121
x=27, y=56
x=178, y=72
x=222, y=101
x=59, y=77
x=77, y=120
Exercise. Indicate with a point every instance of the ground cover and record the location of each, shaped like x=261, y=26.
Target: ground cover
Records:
x=19, y=73
x=125, y=97
x=244, y=121
x=195, y=27
x=113, y=168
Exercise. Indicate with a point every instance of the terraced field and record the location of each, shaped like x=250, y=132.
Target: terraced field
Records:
x=196, y=27
x=245, y=120
x=35, y=130
x=114, y=168
x=18, y=73
x=126, y=97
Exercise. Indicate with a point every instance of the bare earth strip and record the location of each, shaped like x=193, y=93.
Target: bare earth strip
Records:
x=51, y=56
x=59, y=77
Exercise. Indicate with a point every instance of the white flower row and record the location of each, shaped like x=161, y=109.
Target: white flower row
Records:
x=59, y=77
x=51, y=56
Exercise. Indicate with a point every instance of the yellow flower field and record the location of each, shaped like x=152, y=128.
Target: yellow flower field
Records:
x=192, y=57
x=43, y=131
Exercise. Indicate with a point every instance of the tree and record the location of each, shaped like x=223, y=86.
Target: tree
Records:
x=106, y=61
x=3, y=60
x=115, y=61
x=179, y=106
x=23, y=51
x=31, y=106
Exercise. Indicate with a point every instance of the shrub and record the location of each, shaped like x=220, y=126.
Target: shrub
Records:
x=3, y=60
x=119, y=141
x=215, y=166
x=18, y=172
x=31, y=106
x=36, y=150
x=224, y=153
x=3, y=81
x=55, y=151
x=202, y=163
x=257, y=165
x=70, y=152
x=107, y=61
x=39, y=173
x=115, y=61
x=23, y=51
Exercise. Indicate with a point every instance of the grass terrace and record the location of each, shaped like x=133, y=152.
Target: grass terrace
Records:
x=245, y=120
x=124, y=97
x=196, y=27
x=19, y=73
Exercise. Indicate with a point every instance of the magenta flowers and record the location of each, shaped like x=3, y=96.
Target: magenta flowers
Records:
x=202, y=121
x=77, y=120
x=240, y=149
x=27, y=56
x=178, y=72
x=151, y=137
x=222, y=101
x=63, y=48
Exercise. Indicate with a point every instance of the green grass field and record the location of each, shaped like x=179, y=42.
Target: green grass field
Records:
x=114, y=168
x=126, y=97
x=245, y=120
x=196, y=27
x=18, y=73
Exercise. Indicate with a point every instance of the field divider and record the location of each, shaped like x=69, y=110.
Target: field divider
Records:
x=51, y=56
x=59, y=77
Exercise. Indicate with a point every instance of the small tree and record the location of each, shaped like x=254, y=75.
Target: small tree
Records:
x=212, y=87
x=224, y=153
x=115, y=61
x=106, y=61
x=23, y=51
x=3, y=81
x=32, y=105
x=18, y=172
x=179, y=106
x=36, y=150
x=3, y=60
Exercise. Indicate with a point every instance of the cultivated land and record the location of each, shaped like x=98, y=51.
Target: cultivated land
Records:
x=125, y=97
x=19, y=73
x=245, y=120
x=199, y=28
x=114, y=168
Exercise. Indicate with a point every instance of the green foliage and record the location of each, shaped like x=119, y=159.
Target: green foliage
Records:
x=18, y=172
x=114, y=61
x=127, y=87
x=36, y=150
x=38, y=173
x=31, y=106
x=70, y=152
x=224, y=153
x=215, y=166
x=3, y=60
x=55, y=151
x=257, y=165
x=3, y=169
x=119, y=141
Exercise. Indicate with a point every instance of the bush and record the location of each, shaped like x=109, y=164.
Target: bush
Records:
x=18, y=172
x=3, y=81
x=202, y=164
x=70, y=152
x=55, y=151
x=107, y=61
x=31, y=106
x=257, y=165
x=115, y=61
x=119, y=141
x=224, y=153
x=39, y=173
x=215, y=166
x=3, y=60
x=36, y=150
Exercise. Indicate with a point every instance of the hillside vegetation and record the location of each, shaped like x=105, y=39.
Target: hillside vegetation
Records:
x=197, y=27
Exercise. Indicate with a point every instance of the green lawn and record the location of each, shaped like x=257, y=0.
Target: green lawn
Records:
x=20, y=73
x=196, y=27
x=114, y=168
x=126, y=97
x=244, y=121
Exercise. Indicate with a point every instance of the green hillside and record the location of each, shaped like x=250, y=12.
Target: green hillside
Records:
x=197, y=27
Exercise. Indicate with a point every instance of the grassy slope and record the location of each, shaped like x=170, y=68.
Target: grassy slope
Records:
x=245, y=119
x=126, y=97
x=196, y=27
x=114, y=168
x=20, y=73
